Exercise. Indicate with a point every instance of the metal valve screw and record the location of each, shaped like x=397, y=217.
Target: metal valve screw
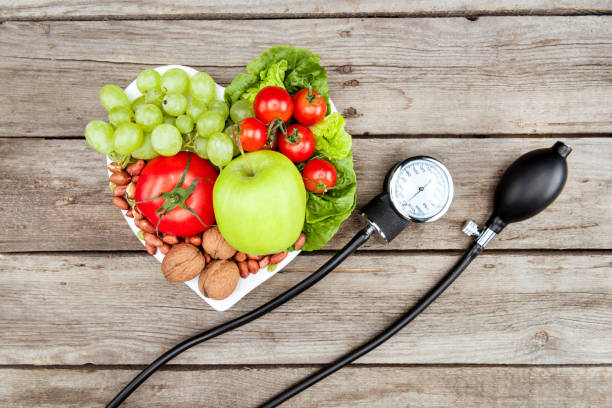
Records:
x=470, y=228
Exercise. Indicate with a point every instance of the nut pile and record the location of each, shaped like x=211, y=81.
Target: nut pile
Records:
x=208, y=254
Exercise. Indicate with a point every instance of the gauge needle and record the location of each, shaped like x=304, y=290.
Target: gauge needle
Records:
x=419, y=191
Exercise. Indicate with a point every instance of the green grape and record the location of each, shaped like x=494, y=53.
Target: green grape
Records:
x=175, y=80
x=219, y=106
x=174, y=104
x=99, y=135
x=119, y=115
x=202, y=87
x=128, y=137
x=210, y=122
x=112, y=96
x=166, y=140
x=155, y=97
x=138, y=102
x=184, y=124
x=147, y=80
x=241, y=109
x=220, y=149
x=170, y=120
x=145, y=151
x=148, y=116
x=199, y=147
x=195, y=108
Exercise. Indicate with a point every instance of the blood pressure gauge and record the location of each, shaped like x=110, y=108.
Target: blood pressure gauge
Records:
x=418, y=189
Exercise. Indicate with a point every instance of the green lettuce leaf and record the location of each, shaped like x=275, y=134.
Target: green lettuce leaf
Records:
x=303, y=70
x=239, y=85
x=330, y=137
x=325, y=212
x=274, y=75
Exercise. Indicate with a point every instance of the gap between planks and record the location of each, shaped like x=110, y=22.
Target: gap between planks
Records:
x=363, y=252
x=209, y=367
x=471, y=15
x=407, y=136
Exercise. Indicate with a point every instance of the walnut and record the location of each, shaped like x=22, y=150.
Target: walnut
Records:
x=215, y=245
x=219, y=279
x=182, y=263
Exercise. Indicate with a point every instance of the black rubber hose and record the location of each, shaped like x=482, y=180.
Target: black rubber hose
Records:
x=330, y=265
x=425, y=301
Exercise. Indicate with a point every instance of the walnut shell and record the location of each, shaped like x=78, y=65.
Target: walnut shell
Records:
x=219, y=279
x=215, y=245
x=182, y=263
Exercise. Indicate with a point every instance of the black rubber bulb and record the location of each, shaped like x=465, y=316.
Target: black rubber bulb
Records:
x=529, y=185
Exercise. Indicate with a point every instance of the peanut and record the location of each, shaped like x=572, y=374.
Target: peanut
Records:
x=278, y=258
x=119, y=191
x=243, y=269
x=130, y=190
x=120, y=203
x=136, y=168
x=137, y=214
x=207, y=257
x=300, y=241
x=253, y=266
x=114, y=167
x=152, y=239
x=194, y=240
x=240, y=257
x=254, y=257
x=170, y=239
x=120, y=178
x=145, y=225
x=129, y=213
x=264, y=261
x=151, y=249
x=165, y=248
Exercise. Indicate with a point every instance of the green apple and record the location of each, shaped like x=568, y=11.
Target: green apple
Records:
x=260, y=212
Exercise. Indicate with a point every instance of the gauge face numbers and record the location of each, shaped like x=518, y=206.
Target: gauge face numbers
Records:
x=421, y=189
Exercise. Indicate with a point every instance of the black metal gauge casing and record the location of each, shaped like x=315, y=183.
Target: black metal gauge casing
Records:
x=418, y=189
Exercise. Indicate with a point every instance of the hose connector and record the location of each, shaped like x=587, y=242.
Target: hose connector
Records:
x=470, y=228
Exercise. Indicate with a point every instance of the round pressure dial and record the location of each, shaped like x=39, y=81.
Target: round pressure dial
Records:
x=420, y=188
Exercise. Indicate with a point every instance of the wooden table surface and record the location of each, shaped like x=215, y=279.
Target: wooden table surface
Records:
x=475, y=84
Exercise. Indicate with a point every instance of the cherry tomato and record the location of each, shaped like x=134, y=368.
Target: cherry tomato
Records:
x=253, y=134
x=319, y=176
x=297, y=144
x=309, y=107
x=161, y=175
x=271, y=103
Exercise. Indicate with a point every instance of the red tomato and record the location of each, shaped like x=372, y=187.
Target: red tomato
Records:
x=297, y=144
x=253, y=134
x=161, y=175
x=273, y=102
x=309, y=108
x=319, y=176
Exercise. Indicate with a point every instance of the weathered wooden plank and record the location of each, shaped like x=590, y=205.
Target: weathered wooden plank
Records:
x=117, y=309
x=72, y=9
x=351, y=387
x=56, y=197
x=421, y=76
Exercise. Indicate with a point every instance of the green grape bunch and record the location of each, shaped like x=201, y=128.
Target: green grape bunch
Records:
x=173, y=112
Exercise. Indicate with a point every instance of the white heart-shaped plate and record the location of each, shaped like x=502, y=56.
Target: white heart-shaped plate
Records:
x=244, y=285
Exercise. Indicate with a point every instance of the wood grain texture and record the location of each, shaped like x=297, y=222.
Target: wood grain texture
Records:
x=496, y=75
x=56, y=195
x=87, y=9
x=427, y=387
x=117, y=309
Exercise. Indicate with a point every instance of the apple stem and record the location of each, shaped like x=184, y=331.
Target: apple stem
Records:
x=236, y=136
x=246, y=160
